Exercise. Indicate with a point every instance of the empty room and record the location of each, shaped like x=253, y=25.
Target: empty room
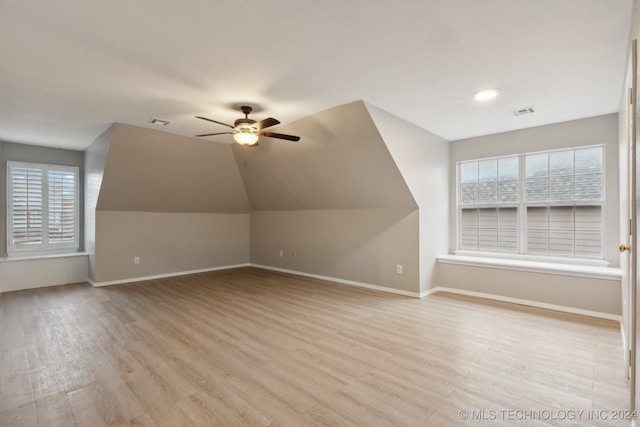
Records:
x=297, y=213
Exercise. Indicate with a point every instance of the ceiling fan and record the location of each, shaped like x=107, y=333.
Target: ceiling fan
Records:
x=247, y=131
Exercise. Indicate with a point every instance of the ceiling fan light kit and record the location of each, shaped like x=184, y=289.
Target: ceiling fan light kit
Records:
x=247, y=131
x=246, y=136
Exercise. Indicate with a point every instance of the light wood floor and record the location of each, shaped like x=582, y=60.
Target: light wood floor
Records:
x=251, y=347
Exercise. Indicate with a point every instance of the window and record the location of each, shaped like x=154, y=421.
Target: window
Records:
x=546, y=203
x=42, y=208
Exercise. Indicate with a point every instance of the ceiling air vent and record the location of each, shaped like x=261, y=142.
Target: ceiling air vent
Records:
x=159, y=122
x=523, y=111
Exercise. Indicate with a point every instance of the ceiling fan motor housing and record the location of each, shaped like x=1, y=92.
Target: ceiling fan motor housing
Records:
x=243, y=123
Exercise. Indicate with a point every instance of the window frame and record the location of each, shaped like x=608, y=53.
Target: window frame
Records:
x=45, y=247
x=522, y=206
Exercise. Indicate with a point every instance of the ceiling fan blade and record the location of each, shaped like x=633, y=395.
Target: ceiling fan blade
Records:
x=270, y=121
x=214, y=121
x=280, y=136
x=217, y=133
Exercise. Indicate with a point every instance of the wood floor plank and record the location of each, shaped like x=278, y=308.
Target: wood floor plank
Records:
x=106, y=402
x=223, y=409
x=24, y=416
x=143, y=421
x=163, y=410
x=55, y=411
x=13, y=359
x=47, y=380
x=253, y=347
x=15, y=390
x=319, y=415
x=12, y=332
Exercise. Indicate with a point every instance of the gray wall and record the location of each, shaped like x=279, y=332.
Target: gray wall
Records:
x=167, y=243
x=182, y=204
x=590, y=294
x=361, y=245
x=35, y=154
x=177, y=203
x=423, y=161
x=95, y=159
x=152, y=171
x=336, y=199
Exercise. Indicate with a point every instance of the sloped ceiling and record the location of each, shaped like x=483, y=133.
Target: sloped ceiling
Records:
x=152, y=171
x=342, y=162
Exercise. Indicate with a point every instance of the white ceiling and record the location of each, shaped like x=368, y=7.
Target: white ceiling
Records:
x=70, y=68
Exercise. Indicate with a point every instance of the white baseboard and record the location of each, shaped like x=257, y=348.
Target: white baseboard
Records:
x=343, y=281
x=530, y=303
x=431, y=291
x=428, y=292
x=422, y=294
x=163, y=276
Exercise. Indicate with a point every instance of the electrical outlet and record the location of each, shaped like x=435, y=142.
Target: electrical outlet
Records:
x=281, y=253
x=295, y=254
x=399, y=268
x=136, y=260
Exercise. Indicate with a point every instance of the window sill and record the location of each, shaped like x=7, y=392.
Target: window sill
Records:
x=31, y=257
x=591, y=272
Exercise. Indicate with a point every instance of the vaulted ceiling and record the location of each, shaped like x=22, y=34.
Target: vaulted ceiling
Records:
x=71, y=68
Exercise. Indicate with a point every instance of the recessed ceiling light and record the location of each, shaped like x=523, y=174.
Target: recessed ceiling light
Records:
x=486, y=94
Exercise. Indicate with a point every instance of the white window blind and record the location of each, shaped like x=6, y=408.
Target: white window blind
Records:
x=547, y=203
x=564, y=195
x=489, y=200
x=43, y=208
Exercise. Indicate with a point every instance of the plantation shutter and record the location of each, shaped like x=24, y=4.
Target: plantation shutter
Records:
x=26, y=206
x=43, y=207
x=61, y=206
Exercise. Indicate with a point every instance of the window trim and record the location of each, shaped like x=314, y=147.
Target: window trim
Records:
x=44, y=248
x=586, y=262
x=596, y=270
x=521, y=206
